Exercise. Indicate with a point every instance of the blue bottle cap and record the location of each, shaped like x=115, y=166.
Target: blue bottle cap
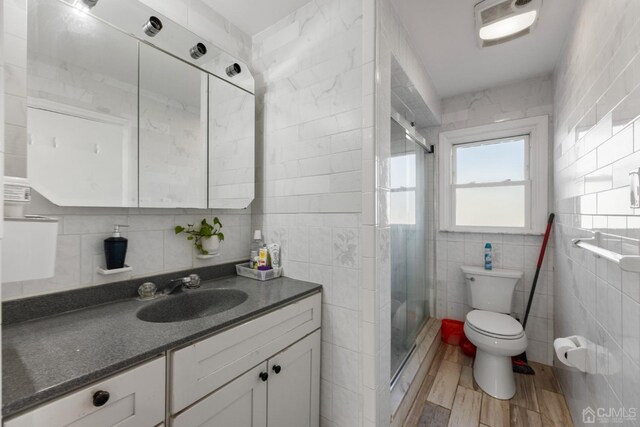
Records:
x=488, y=245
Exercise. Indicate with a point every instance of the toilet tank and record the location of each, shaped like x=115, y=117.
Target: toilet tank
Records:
x=491, y=290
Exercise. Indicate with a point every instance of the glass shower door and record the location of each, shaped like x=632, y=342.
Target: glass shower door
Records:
x=408, y=244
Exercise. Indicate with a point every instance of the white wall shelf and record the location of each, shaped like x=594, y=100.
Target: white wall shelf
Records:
x=105, y=272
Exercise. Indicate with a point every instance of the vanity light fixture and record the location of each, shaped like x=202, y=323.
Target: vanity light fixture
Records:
x=152, y=26
x=233, y=69
x=500, y=21
x=198, y=51
x=85, y=5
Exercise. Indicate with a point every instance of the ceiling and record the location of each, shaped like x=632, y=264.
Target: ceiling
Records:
x=253, y=16
x=443, y=33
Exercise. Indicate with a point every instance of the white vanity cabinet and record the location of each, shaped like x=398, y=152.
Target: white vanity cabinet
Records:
x=135, y=399
x=282, y=391
x=265, y=372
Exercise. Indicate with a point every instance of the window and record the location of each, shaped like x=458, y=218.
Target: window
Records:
x=494, y=178
x=403, y=189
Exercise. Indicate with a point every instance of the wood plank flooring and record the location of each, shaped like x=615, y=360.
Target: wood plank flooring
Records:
x=449, y=396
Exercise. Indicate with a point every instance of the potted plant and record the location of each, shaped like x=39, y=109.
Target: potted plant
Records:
x=206, y=238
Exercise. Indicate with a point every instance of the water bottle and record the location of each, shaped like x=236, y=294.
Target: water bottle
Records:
x=488, y=260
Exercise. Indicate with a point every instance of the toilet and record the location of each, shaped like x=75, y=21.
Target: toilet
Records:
x=496, y=334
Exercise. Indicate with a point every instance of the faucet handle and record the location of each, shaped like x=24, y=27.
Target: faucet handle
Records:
x=194, y=281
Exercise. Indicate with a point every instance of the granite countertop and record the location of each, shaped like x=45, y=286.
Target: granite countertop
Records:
x=48, y=357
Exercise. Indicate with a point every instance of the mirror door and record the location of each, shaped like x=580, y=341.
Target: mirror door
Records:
x=173, y=132
x=231, y=145
x=82, y=108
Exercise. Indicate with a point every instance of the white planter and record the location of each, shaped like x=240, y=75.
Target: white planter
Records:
x=211, y=245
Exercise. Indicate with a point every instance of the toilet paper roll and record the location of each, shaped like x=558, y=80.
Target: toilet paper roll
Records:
x=562, y=346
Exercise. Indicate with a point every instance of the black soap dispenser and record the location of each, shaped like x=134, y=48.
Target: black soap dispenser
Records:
x=115, y=249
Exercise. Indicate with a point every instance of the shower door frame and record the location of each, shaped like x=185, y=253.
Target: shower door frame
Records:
x=420, y=142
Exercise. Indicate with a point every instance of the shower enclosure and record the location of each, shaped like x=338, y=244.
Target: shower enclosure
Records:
x=409, y=285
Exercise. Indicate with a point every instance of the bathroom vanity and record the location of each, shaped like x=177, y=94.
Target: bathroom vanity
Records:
x=254, y=364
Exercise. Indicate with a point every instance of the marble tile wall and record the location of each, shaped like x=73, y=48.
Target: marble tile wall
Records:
x=391, y=40
x=2, y=149
x=597, y=143
x=15, y=87
x=153, y=247
x=314, y=124
x=528, y=98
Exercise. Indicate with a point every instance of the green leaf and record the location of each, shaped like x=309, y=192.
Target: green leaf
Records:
x=220, y=236
x=179, y=229
x=190, y=238
x=216, y=221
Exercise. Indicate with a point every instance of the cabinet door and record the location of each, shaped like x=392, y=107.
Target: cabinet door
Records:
x=294, y=385
x=173, y=132
x=136, y=399
x=241, y=403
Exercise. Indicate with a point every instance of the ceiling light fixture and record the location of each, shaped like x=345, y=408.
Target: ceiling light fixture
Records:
x=499, y=21
x=508, y=26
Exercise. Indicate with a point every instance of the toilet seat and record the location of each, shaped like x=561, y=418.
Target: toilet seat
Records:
x=495, y=325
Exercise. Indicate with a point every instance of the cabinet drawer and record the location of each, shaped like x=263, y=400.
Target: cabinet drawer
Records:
x=207, y=365
x=136, y=398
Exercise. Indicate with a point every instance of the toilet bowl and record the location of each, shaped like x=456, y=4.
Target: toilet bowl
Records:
x=496, y=335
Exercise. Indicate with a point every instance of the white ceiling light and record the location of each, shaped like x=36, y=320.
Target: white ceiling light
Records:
x=508, y=26
x=499, y=21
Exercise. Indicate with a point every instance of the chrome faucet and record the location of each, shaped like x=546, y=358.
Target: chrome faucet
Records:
x=192, y=281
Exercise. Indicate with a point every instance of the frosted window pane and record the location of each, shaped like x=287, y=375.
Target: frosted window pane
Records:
x=403, y=207
x=403, y=171
x=490, y=206
x=491, y=162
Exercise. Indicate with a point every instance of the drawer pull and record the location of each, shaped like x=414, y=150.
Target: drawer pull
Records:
x=100, y=398
x=277, y=369
x=264, y=376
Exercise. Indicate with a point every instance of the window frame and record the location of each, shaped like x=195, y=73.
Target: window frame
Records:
x=536, y=170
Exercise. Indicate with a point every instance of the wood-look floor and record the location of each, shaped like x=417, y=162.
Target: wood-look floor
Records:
x=449, y=396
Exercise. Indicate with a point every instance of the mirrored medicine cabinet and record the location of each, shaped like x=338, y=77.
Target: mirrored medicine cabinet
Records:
x=128, y=109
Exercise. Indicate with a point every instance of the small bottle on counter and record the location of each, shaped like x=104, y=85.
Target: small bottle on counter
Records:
x=256, y=245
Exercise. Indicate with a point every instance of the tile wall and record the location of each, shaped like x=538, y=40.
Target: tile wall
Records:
x=310, y=141
x=597, y=143
x=15, y=88
x=2, y=149
x=315, y=79
x=391, y=40
x=528, y=98
x=153, y=246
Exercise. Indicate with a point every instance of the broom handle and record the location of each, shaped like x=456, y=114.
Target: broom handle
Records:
x=538, y=267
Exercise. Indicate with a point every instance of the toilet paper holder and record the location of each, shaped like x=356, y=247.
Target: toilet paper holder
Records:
x=575, y=351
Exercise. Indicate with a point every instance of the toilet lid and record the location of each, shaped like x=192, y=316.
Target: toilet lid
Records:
x=494, y=323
